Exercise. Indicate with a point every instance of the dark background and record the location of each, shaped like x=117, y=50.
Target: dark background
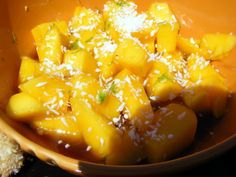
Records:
x=224, y=165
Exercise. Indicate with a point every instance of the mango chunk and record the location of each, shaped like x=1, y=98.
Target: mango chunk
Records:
x=118, y=16
x=161, y=12
x=208, y=91
x=132, y=56
x=81, y=60
x=150, y=45
x=104, y=47
x=167, y=37
x=64, y=127
x=24, y=107
x=131, y=93
x=112, y=7
x=84, y=85
x=168, y=26
x=103, y=101
x=85, y=24
x=161, y=85
x=91, y=124
x=188, y=46
x=108, y=106
x=176, y=62
x=106, y=143
x=40, y=31
x=218, y=45
x=107, y=66
x=52, y=92
x=127, y=151
x=112, y=31
x=50, y=47
x=29, y=69
x=175, y=127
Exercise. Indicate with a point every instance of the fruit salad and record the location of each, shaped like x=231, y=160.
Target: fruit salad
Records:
x=121, y=84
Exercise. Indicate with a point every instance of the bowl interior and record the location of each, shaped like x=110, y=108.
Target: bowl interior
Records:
x=197, y=17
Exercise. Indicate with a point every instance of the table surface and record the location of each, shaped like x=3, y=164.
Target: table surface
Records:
x=224, y=165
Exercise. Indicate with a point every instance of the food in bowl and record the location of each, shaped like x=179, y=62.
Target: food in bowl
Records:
x=122, y=85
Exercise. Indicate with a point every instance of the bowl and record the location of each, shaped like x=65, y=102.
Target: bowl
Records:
x=197, y=17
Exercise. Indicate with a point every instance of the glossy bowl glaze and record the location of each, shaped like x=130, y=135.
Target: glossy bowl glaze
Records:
x=196, y=16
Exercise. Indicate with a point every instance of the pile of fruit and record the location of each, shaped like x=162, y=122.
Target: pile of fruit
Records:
x=123, y=84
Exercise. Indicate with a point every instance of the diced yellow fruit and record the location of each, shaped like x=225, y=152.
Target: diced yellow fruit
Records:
x=131, y=55
x=167, y=37
x=112, y=31
x=168, y=26
x=63, y=127
x=52, y=92
x=161, y=12
x=88, y=88
x=161, y=85
x=53, y=70
x=81, y=60
x=148, y=30
x=84, y=85
x=191, y=46
x=106, y=143
x=118, y=15
x=175, y=131
x=103, y=47
x=131, y=92
x=160, y=16
x=29, y=69
x=150, y=45
x=85, y=24
x=208, y=96
x=40, y=31
x=50, y=47
x=177, y=62
x=208, y=91
x=108, y=66
x=91, y=124
x=201, y=69
x=24, y=107
x=197, y=99
x=109, y=107
x=129, y=153
x=187, y=46
x=111, y=9
x=218, y=45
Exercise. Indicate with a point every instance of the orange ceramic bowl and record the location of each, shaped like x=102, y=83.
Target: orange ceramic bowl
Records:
x=197, y=17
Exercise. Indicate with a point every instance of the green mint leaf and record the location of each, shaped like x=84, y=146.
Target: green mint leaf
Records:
x=101, y=97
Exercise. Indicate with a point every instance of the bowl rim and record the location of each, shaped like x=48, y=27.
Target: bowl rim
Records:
x=80, y=167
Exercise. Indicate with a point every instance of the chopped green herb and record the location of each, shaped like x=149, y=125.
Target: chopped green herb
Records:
x=163, y=78
x=14, y=39
x=101, y=97
x=113, y=88
x=74, y=45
